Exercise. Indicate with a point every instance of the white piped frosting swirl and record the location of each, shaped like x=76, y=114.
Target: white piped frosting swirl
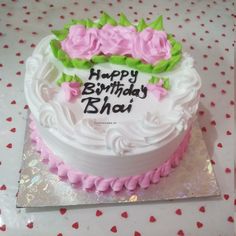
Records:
x=117, y=141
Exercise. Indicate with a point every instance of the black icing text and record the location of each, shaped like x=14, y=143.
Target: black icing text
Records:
x=98, y=99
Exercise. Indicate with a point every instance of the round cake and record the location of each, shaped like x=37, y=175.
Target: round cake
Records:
x=112, y=104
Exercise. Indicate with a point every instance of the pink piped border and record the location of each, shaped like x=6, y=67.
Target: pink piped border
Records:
x=101, y=184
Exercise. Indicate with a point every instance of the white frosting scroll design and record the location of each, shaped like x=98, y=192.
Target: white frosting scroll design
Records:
x=47, y=116
x=54, y=115
x=187, y=92
x=33, y=64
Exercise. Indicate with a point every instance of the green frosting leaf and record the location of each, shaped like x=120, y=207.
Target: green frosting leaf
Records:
x=77, y=79
x=141, y=25
x=145, y=67
x=61, y=55
x=64, y=58
x=103, y=19
x=81, y=64
x=99, y=59
x=110, y=20
x=170, y=36
x=123, y=20
x=67, y=62
x=61, y=34
x=79, y=22
x=62, y=79
x=67, y=26
x=55, y=46
x=69, y=78
x=166, y=83
x=59, y=82
x=176, y=49
x=155, y=80
x=173, y=61
x=106, y=19
x=89, y=23
x=171, y=40
x=157, y=24
x=160, y=67
x=116, y=59
x=132, y=62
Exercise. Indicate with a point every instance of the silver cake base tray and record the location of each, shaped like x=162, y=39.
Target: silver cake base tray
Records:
x=193, y=178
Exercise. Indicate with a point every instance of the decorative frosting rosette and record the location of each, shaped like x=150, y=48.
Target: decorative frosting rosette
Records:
x=151, y=46
x=81, y=42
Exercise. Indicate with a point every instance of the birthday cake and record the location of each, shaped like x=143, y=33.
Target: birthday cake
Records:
x=112, y=103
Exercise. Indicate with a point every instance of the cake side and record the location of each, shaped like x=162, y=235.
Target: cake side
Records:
x=103, y=184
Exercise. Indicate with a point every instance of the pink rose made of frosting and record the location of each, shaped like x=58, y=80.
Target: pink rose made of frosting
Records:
x=157, y=89
x=82, y=42
x=71, y=90
x=117, y=40
x=151, y=46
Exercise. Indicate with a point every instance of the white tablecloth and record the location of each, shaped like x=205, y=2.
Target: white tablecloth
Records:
x=206, y=30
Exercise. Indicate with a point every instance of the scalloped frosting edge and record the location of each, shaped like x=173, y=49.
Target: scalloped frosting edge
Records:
x=101, y=184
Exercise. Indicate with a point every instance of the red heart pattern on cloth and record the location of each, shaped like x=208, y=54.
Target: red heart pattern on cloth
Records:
x=63, y=211
x=227, y=170
x=226, y=196
x=199, y=224
x=202, y=209
x=3, y=187
x=204, y=129
x=178, y=212
x=136, y=233
x=220, y=145
x=98, y=213
x=180, y=232
x=152, y=219
x=13, y=130
x=9, y=119
x=30, y=225
x=124, y=214
x=9, y=145
x=114, y=229
x=3, y=228
x=75, y=225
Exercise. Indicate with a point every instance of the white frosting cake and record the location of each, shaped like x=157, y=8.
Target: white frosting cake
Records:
x=114, y=127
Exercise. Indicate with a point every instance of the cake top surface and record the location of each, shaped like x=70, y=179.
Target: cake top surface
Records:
x=111, y=85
